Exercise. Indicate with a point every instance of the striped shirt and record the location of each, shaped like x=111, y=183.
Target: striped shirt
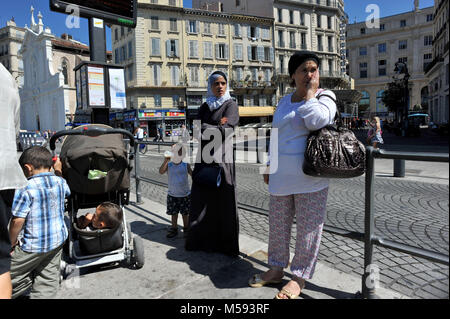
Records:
x=41, y=203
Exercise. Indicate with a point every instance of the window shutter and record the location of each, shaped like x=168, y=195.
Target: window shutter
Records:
x=217, y=51
x=249, y=53
x=260, y=53
x=176, y=48
x=168, y=47
x=197, y=26
x=257, y=32
x=248, y=31
x=227, y=53
x=196, y=49
x=272, y=55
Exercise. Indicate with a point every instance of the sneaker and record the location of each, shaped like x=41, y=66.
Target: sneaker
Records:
x=172, y=232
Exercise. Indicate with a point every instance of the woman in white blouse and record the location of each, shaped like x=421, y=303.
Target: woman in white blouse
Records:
x=292, y=193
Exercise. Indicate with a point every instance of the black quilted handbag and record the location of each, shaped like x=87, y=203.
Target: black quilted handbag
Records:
x=334, y=151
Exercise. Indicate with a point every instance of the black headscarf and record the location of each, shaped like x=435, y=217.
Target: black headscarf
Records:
x=300, y=57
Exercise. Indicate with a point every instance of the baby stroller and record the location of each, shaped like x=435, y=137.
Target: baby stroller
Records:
x=89, y=148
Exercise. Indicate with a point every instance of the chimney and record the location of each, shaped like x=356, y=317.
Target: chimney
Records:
x=64, y=36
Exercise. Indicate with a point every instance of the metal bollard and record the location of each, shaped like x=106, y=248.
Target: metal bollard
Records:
x=136, y=173
x=399, y=168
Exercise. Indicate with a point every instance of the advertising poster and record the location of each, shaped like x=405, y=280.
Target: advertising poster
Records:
x=117, y=89
x=96, y=84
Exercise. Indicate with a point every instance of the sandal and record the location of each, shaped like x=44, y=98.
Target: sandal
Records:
x=257, y=282
x=289, y=294
x=172, y=232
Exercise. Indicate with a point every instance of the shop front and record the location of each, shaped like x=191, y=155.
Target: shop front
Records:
x=171, y=121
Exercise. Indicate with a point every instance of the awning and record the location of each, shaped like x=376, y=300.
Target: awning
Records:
x=247, y=111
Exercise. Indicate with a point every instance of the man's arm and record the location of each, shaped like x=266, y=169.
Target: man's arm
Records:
x=15, y=227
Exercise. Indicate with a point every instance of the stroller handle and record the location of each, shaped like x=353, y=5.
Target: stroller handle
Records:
x=90, y=131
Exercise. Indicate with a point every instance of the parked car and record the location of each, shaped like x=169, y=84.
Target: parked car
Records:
x=27, y=139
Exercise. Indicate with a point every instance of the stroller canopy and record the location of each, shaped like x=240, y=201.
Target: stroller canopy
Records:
x=81, y=154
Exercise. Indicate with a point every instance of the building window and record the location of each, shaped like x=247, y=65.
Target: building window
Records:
x=268, y=54
x=238, y=3
x=157, y=99
x=237, y=30
x=329, y=23
x=207, y=50
x=363, y=30
x=221, y=27
x=330, y=44
x=175, y=100
x=280, y=15
x=319, y=43
x=193, y=48
x=64, y=67
x=130, y=49
x=173, y=25
x=402, y=44
x=156, y=75
x=330, y=67
x=172, y=48
x=302, y=18
x=364, y=103
x=194, y=75
x=206, y=27
x=303, y=40
x=381, y=107
x=280, y=39
x=382, y=48
x=172, y=3
x=403, y=59
x=429, y=17
x=221, y=51
x=363, y=70
x=291, y=17
x=382, y=27
x=292, y=44
x=154, y=23
x=193, y=26
x=363, y=51
x=156, y=48
x=238, y=54
x=402, y=23
x=427, y=40
x=381, y=67
x=319, y=21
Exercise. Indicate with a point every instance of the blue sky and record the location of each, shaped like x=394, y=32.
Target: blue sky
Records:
x=20, y=10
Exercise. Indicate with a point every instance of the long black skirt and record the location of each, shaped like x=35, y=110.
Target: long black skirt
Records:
x=214, y=224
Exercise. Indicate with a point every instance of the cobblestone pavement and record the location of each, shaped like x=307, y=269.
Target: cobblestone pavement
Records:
x=414, y=213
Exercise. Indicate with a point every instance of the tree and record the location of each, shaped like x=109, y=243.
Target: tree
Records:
x=393, y=98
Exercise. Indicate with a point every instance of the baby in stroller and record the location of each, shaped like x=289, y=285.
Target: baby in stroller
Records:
x=107, y=215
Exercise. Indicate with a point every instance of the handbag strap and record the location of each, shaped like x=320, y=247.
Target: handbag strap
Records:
x=338, y=114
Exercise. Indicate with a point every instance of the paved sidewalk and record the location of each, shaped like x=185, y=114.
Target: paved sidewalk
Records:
x=170, y=272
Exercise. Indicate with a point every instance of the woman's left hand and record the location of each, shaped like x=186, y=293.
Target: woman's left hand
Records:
x=223, y=121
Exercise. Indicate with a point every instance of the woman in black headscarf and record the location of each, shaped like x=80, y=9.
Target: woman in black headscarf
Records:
x=214, y=225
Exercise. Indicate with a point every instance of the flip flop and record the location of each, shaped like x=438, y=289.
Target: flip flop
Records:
x=257, y=282
x=288, y=294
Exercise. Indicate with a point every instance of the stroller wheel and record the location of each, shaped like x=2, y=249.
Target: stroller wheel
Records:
x=137, y=257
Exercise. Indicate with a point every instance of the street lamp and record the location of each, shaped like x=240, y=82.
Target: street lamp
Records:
x=401, y=68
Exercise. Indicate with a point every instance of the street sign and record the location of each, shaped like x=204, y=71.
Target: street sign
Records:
x=119, y=12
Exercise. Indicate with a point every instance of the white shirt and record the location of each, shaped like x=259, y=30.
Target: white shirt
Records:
x=140, y=133
x=11, y=175
x=293, y=123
